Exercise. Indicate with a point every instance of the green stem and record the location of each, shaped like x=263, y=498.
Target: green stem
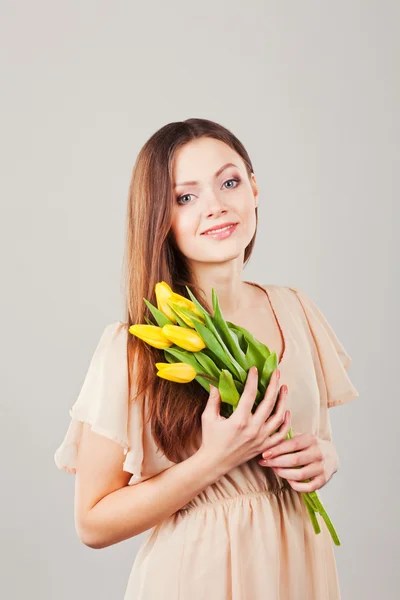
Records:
x=311, y=498
x=213, y=380
x=312, y=514
x=314, y=504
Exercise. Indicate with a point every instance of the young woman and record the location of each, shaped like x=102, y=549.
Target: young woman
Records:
x=152, y=454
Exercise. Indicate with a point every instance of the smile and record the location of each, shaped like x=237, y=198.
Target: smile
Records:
x=221, y=233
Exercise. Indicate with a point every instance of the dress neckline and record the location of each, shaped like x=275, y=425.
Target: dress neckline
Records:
x=283, y=334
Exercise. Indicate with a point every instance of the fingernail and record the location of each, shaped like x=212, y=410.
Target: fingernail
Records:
x=267, y=454
x=278, y=374
x=255, y=370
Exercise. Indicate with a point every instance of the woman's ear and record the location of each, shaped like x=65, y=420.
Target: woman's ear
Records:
x=255, y=188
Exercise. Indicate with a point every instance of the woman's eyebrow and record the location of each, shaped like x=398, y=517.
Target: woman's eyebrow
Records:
x=215, y=175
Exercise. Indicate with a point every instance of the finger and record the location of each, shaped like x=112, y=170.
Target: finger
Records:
x=213, y=402
x=277, y=416
x=300, y=442
x=247, y=398
x=279, y=436
x=312, y=470
x=296, y=459
x=267, y=404
x=309, y=486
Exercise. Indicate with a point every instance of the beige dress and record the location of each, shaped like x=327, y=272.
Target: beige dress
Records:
x=248, y=536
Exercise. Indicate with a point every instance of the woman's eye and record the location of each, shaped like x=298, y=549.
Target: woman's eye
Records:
x=234, y=179
x=180, y=198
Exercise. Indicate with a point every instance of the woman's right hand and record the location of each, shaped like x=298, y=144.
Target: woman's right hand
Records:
x=233, y=441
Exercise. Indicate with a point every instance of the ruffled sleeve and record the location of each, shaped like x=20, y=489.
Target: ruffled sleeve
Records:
x=104, y=403
x=330, y=358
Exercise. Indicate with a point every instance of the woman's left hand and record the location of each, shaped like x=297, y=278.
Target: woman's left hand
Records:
x=317, y=458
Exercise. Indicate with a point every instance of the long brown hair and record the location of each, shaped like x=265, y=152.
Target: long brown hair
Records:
x=151, y=256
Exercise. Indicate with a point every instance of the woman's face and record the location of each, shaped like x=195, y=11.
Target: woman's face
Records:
x=213, y=198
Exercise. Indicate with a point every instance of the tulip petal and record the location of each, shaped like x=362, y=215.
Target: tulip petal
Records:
x=197, y=304
x=179, y=372
x=178, y=317
x=184, y=337
x=151, y=334
x=188, y=316
x=163, y=292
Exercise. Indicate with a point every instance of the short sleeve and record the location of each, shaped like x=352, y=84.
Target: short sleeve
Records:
x=104, y=403
x=330, y=358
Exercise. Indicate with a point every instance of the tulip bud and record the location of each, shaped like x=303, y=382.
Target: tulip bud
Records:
x=184, y=338
x=151, y=334
x=178, y=372
x=163, y=294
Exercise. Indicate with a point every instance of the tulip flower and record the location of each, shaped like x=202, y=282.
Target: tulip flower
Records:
x=172, y=305
x=186, y=303
x=152, y=335
x=184, y=338
x=187, y=315
x=163, y=294
x=179, y=372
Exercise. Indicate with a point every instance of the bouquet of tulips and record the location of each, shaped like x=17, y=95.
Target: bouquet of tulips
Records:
x=211, y=350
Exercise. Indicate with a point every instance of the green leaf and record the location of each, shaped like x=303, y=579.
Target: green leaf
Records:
x=239, y=386
x=227, y=389
x=211, y=342
x=197, y=303
x=203, y=382
x=233, y=364
x=239, y=339
x=226, y=334
x=148, y=321
x=207, y=363
x=271, y=363
x=216, y=360
x=172, y=359
x=255, y=357
x=159, y=316
x=184, y=356
x=179, y=319
x=262, y=348
x=187, y=313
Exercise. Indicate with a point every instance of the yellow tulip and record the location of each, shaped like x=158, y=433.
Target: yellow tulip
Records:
x=179, y=372
x=186, y=303
x=151, y=334
x=184, y=338
x=163, y=294
x=188, y=320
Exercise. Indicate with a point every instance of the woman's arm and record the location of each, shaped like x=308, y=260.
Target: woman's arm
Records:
x=108, y=510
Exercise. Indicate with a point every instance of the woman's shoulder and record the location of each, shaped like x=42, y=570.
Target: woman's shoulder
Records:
x=114, y=333
x=281, y=291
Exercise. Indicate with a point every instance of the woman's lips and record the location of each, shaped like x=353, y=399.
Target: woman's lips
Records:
x=221, y=233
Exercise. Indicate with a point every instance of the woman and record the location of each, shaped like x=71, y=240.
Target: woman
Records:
x=152, y=454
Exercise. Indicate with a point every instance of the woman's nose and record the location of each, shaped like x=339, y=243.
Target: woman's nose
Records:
x=214, y=206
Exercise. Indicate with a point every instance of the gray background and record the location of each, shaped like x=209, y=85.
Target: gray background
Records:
x=312, y=90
